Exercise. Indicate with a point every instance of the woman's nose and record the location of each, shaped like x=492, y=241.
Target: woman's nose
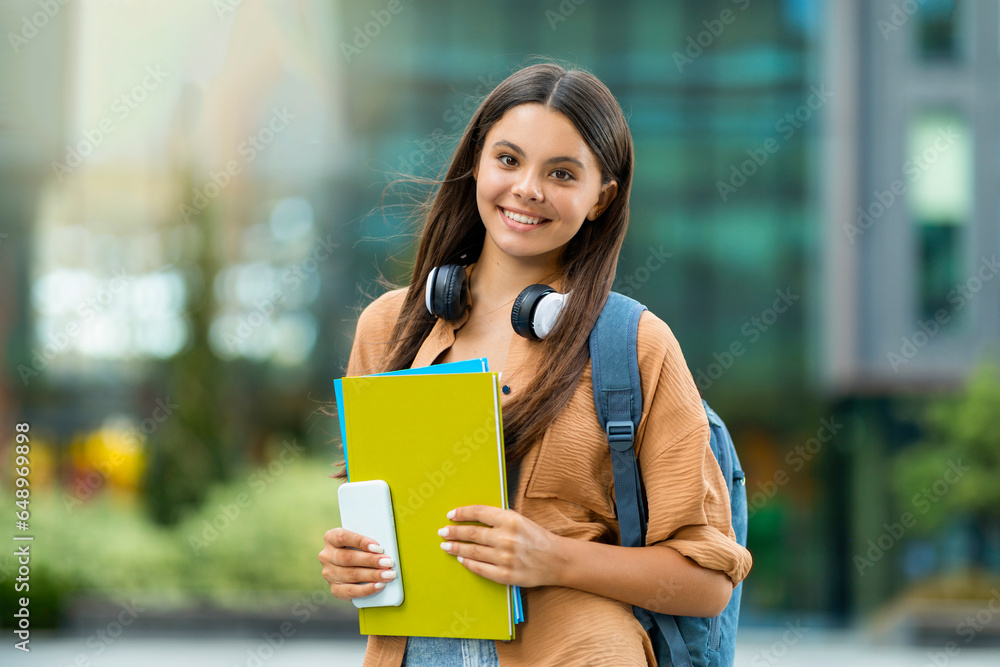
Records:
x=528, y=187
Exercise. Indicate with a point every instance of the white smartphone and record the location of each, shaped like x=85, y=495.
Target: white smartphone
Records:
x=366, y=508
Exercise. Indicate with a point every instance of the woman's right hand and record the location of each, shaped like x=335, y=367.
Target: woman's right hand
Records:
x=352, y=573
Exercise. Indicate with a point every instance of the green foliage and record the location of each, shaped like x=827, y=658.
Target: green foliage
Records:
x=109, y=547
x=273, y=541
x=956, y=467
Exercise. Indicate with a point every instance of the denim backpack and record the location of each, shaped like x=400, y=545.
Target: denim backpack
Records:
x=678, y=641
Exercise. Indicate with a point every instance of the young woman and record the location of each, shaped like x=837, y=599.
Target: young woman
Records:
x=537, y=191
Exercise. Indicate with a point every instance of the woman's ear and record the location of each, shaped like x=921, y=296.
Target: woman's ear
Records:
x=608, y=193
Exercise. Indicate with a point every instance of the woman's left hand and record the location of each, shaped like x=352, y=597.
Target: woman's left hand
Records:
x=510, y=549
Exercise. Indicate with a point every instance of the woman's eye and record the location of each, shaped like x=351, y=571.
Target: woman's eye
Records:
x=503, y=160
x=562, y=175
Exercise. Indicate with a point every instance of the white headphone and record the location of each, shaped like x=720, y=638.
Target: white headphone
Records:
x=534, y=314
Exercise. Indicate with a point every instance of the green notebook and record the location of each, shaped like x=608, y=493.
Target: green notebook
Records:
x=437, y=441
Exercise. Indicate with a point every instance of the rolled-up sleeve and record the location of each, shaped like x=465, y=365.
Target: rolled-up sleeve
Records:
x=373, y=331
x=687, y=497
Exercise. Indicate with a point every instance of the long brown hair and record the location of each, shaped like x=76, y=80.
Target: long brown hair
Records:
x=453, y=226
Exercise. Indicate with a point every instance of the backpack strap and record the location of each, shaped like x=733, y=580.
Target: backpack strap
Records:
x=618, y=400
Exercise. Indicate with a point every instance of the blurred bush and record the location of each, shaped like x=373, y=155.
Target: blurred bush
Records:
x=954, y=470
x=253, y=543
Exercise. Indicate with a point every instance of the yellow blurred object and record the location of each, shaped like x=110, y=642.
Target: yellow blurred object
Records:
x=115, y=453
x=43, y=463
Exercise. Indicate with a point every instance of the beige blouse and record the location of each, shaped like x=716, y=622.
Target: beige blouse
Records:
x=566, y=485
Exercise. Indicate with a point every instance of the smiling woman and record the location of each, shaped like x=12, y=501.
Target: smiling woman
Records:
x=537, y=192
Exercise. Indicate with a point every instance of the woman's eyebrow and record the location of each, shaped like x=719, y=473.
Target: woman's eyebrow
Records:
x=517, y=149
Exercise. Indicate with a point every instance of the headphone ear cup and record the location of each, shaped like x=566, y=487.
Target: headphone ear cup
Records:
x=429, y=291
x=449, y=293
x=523, y=312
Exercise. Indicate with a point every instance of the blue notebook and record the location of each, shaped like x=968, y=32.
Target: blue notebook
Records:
x=468, y=366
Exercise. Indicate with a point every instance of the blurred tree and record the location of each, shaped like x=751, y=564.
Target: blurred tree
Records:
x=189, y=452
x=954, y=470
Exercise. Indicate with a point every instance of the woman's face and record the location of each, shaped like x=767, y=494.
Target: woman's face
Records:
x=537, y=182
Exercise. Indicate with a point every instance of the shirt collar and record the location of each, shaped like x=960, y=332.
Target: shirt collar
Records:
x=442, y=337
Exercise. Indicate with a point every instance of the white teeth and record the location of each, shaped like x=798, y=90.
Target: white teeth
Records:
x=517, y=217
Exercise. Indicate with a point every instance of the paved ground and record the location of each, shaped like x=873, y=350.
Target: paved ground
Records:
x=793, y=647
x=758, y=648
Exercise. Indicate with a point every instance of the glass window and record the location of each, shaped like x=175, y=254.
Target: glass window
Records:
x=939, y=172
x=937, y=30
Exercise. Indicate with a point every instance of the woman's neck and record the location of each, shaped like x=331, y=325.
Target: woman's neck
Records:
x=497, y=280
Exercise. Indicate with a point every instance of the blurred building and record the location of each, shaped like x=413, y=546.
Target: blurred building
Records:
x=911, y=206
x=911, y=216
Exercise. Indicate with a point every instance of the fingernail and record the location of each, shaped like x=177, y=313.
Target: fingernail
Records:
x=376, y=549
x=446, y=546
x=443, y=532
x=380, y=585
x=385, y=562
x=389, y=574
x=451, y=514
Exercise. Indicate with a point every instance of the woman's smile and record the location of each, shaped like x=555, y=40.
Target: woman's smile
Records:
x=520, y=220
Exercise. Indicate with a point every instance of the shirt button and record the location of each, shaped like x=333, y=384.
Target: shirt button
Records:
x=506, y=389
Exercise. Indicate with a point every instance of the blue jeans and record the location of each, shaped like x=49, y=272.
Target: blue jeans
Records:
x=450, y=652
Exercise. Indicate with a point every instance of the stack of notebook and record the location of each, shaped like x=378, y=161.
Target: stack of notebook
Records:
x=435, y=435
